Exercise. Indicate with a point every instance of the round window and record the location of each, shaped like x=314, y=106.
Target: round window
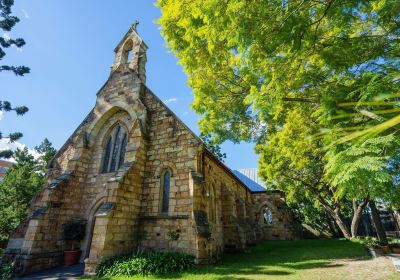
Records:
x=267, y=216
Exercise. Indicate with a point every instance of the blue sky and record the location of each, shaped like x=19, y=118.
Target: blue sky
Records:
x=70, y=50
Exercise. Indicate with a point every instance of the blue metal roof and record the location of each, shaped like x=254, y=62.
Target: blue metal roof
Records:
x=253, y=186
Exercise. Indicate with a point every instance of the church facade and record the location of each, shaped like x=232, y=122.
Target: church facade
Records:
x=132, y=168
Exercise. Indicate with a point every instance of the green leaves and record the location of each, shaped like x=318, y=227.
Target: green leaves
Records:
x=20, y=184
x=312, y=83
x=363, y=168
x=153, y=263
x=213, y=146
x=16, y=191
x=7, y=22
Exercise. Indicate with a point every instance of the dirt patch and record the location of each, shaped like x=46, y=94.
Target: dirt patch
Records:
x=372, y=269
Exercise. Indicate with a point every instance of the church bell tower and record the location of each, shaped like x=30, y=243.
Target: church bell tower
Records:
x=131, y=53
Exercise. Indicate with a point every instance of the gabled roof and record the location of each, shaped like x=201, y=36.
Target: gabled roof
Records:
x=250, y=184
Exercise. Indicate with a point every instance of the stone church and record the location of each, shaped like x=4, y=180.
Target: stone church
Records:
x=131, y=168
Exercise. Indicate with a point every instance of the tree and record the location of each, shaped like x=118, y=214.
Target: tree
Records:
x=19, y=186
x=330, y=62
x=360, y=173
x=256, y=58
x=47, y=152
x=7, y=22
x=292, y=162
x=376, y=220
x=212, y=146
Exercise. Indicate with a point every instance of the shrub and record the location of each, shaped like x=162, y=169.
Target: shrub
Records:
x=156, y=263
x=394, y=243
x=74, y=231
x=370, y=242
x=6, y=271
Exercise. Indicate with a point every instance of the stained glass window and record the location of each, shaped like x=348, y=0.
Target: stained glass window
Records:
x=165, y=191
x=117, y=144
x=107, y=155
x=123, y=150
x=267, y=216
x=115, y=149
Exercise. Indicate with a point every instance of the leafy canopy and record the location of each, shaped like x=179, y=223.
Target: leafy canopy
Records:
x=254, y=58
x=304, y=79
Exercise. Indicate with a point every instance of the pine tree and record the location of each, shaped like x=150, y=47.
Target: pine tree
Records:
x=7, y=22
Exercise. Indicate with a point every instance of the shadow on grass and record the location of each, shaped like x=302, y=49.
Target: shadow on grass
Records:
x=279, y=258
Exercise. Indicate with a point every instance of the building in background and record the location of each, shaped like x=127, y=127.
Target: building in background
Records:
x=4, y=167
x=252, y=174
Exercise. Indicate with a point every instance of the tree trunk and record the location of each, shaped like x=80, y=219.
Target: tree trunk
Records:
x=333, y=211
x=332, y=226
x=343, y=228
x=396, y=216
x=376, y=219
x=335, y=214
x=358, y=209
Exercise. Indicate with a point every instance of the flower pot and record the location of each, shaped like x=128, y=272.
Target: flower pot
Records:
x=71, y=257
x=396, y=250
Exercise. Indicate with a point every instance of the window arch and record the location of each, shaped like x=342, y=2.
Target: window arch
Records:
x=267, y=216
x=165, y=188
x=114, y=151
x=212, y=206
x=127, y=52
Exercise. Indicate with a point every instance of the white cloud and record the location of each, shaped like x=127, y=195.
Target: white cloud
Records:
x=185, y=113
x=25, y=13
x=6, y=36
x=1, y=115
x=171, y=100
x=7, y=145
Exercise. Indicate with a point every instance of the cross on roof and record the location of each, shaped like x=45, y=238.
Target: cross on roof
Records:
x=135, y=24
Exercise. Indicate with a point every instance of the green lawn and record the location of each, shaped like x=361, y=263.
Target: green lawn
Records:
x=303, y=259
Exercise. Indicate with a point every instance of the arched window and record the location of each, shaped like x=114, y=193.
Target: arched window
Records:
x=165, y=183
x=212, y=206
x=114, y=151
x=267, y=216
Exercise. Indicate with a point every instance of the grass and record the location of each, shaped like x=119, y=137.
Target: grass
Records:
x=302, y=259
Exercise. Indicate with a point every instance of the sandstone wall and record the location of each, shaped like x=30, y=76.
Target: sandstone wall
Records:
x=224, y=199
x=170, y=146
x=283, y=226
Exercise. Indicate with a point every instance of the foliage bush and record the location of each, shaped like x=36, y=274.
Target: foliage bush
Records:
x=74, y=231
x=370, y=242
x=394, y=243
x=6, y=271
x=154, y=263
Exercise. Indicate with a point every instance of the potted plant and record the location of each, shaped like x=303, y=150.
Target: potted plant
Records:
x=395, y=248
x=374, y=248
x=74, y=231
